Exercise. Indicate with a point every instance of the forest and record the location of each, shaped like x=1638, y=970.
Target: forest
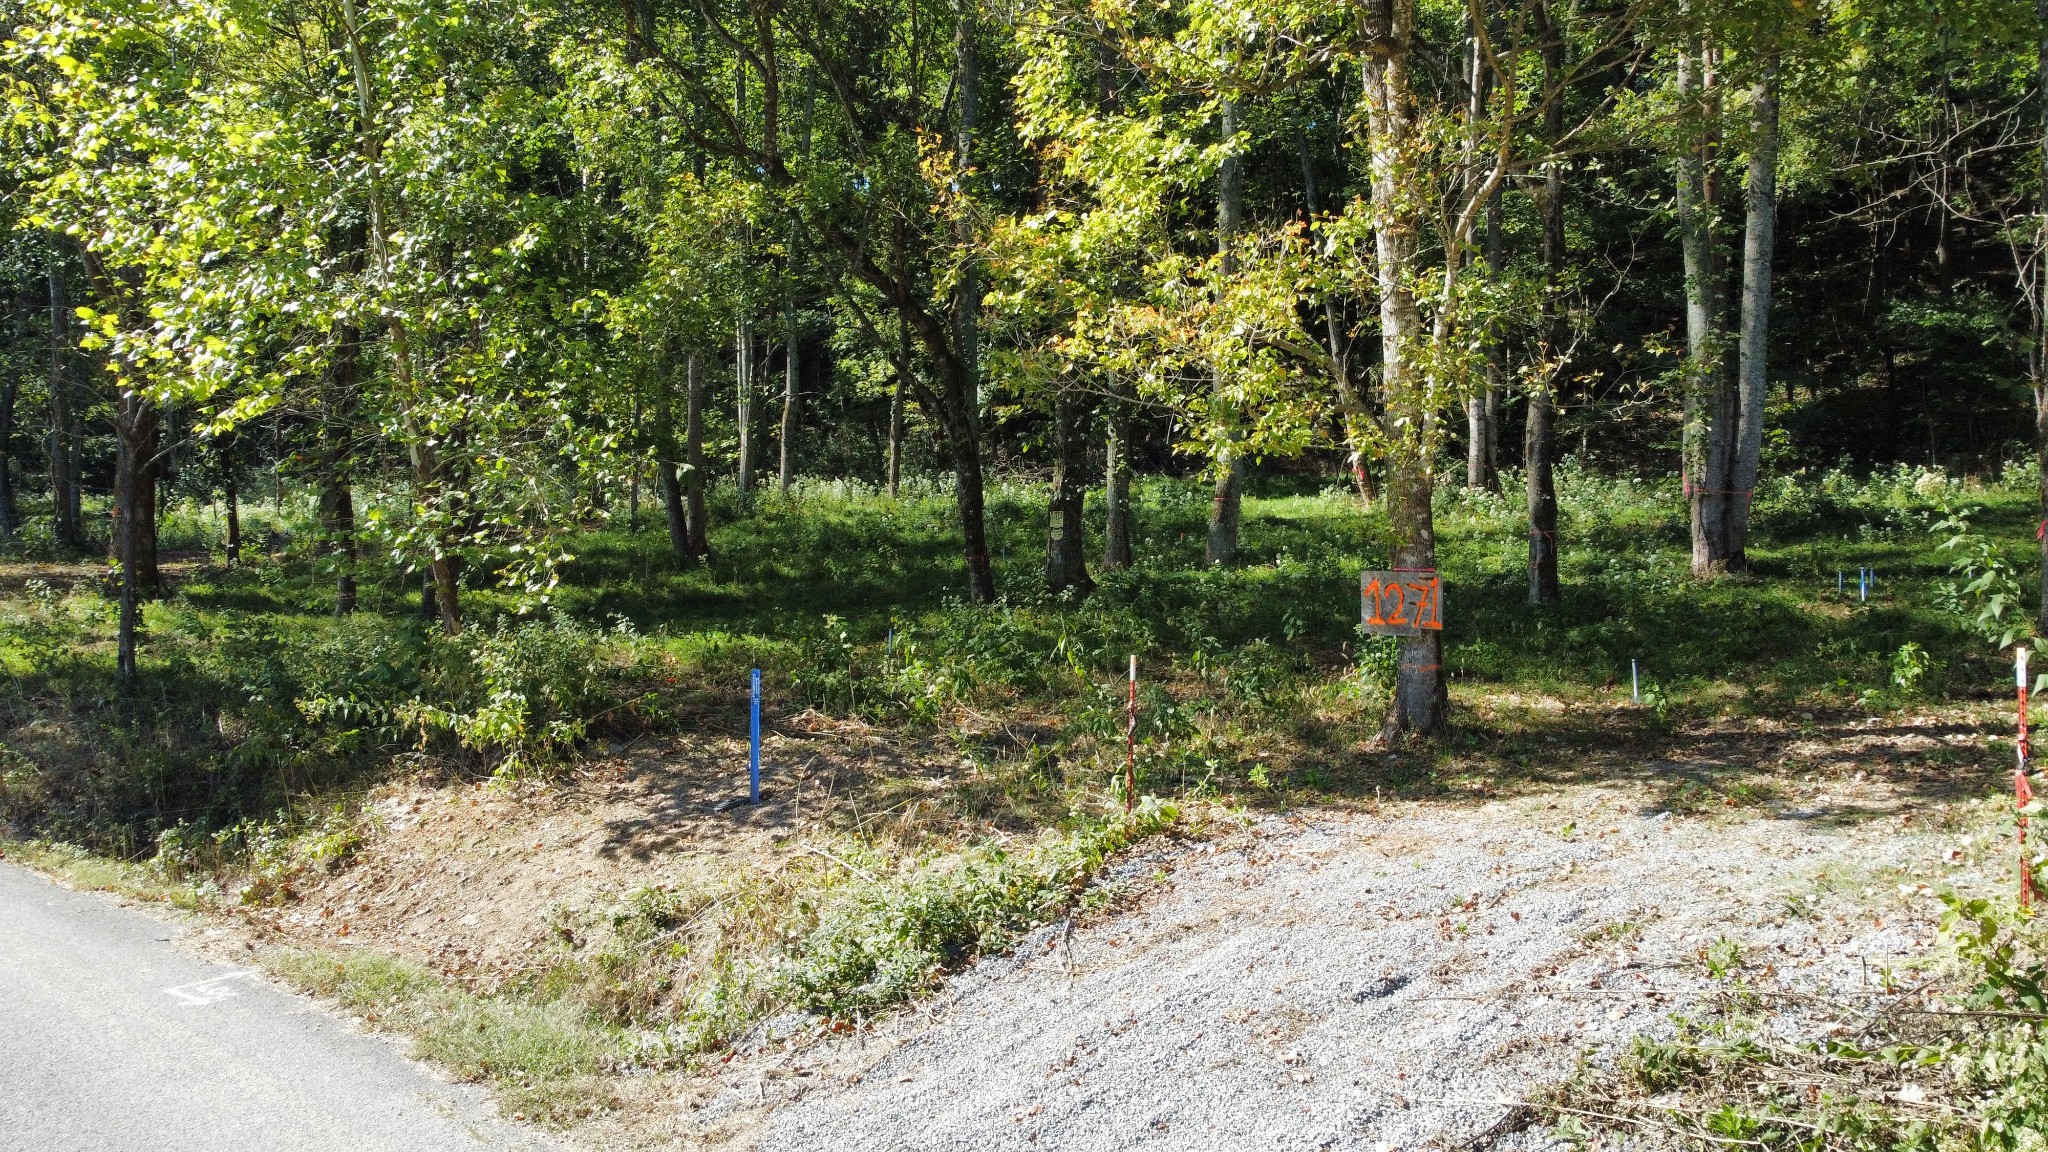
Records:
x=465, y=390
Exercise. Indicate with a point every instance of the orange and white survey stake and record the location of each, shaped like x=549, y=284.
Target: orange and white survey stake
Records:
x=1131, y=741
x=2022, y=792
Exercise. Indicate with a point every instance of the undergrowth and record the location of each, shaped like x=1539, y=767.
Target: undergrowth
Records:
x=1950, y=1057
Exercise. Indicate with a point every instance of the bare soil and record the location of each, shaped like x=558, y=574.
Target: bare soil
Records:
x=1348, y=974
x=463, y=876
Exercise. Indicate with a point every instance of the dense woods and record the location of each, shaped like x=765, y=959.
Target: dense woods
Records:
x=477, y=274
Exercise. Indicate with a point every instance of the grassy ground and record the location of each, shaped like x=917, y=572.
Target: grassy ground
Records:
x=246, y=766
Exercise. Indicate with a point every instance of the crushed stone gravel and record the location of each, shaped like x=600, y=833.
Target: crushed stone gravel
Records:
x=1383, y=981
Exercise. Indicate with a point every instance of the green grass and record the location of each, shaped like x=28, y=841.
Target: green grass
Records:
x=543, y=1057
x=252, y=696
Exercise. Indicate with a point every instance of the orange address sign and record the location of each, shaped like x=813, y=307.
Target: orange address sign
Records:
x=1401, y=603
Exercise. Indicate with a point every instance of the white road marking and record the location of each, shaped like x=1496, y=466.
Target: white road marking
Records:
x=210, y=991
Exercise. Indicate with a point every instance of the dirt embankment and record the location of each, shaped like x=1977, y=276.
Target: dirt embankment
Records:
x=1344, y=976
x=473, y=880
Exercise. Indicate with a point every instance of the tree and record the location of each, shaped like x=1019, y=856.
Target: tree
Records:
x=1724, y=411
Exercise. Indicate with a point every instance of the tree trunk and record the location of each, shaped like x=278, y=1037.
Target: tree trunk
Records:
x=894, y=479
x=1116, y=483
x=1759, y=236
x=951, y=402
x=967, y=113
x=743, y=407
x=1421, y=699
x=967, y=496
x=1496, y=351
x=1710, y=403
x=672, y=507
x=448, y=593
x=669, y=466
x=66, y=516
x=638, y=465
x=698, y=515
x=1481, y=474
x=1066, y=565
x=1540, y=490
x=2041, y=313
x=683, y=464
x=792, y=364
x=1539, y=441
x=337, y=502
x=233, y=499
x=338, y=544
x=895, y=466
x=1226, y=506
x=135, y=431
x=1482, y=467
x=10, y=516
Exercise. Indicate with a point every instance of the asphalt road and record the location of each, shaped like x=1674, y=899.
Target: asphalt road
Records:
x=112, y=1039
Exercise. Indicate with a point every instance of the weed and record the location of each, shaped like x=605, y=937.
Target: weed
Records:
x=1723, y=958
x=537, y=1052
x=884, y=939
x=1904, y=1077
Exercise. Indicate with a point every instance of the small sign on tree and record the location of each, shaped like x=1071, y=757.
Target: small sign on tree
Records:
x=1402, y=603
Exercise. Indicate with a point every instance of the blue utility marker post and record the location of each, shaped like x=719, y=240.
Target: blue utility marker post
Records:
x=754, y=744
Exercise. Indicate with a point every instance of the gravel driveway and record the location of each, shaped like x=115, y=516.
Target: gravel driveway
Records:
x=1339, y=980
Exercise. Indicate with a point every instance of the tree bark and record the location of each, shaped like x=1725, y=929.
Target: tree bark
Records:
x=633, y=480
x=338, y=530
x=1421, y=699
x=1759, y=236
x=678, y=469
x=667, y=467
x=1116, y=483
x=792, y=365
x=743, y=405
x=672, y=493
x=66, y=512
x=10, y=513
x=968, y=498
x=338, y=413
x=1482, y=412
x=699, y=516
x=967, y=121
x=1496, y=355
x=1226, y=505
x=1539, y=441
x=1710, y=401
x=1066, y=565
x=135, y=432
x=233, y=498
x=895, y=464
x=2041, y=312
